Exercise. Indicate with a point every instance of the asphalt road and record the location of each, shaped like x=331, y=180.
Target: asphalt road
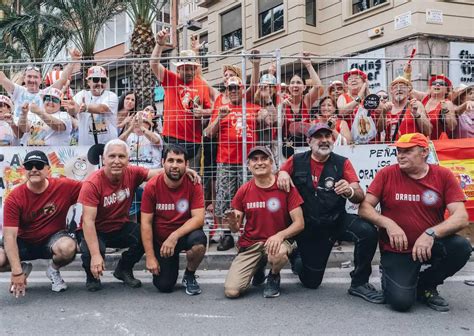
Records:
x=329, y=310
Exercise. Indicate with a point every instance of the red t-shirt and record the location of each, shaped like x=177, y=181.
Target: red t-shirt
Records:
x=408, y=125
x=414, y=205
x=39, y=216
x=435, y=119
x=171, y=207
x=291, y=117
x=112, y=201
x=229, y=149
x=178, y=120
x=349, y=173
x=267, y=210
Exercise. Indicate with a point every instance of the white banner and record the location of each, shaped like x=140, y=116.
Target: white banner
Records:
x=461, y=72
x=374, y=67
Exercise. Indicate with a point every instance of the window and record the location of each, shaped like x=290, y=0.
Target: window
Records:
x=310, y=12
x=231, y=29
x=112, y=33
x=270, y=16
x=163, y=20
x=204, y=50
x=362, y=5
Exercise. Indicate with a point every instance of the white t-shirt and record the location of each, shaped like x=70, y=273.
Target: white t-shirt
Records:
x=41, y=134
x=143, y=153
x=21, y=95
x=7, y=136
x=105, y=124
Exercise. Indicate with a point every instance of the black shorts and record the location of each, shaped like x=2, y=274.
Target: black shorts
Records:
x=29, y=251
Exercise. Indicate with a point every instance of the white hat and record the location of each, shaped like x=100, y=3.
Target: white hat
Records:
x=6, y=100
x=268, y=79
x=50, y=91
x=234, y=80
x=459, y=91
x=187, y=57
x=96, y=72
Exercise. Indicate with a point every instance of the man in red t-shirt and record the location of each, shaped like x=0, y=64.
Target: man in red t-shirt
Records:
x=106, y=197
x=414, y=196
x=326, y=180
x=35, y=224
x=187, y=99
x=273, y=217
x=172, y=220
x=227, y=123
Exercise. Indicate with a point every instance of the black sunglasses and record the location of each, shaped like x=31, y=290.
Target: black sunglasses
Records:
x=383, y=97
x=52, y=99
x=5, y=105
x=37, y=164
x=233, y=88
x=439, y=83
x=99, y=79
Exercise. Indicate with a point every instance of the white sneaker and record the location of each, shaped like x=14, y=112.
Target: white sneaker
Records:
x=57, y=282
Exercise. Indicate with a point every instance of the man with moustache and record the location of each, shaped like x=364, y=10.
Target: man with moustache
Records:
x=326, y=180
x=35, y=224
x=186, y=102
x=172, y=219
x=96, y=109
x=402, y=114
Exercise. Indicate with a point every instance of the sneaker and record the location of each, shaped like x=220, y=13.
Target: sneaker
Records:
x=368, y=293
x=93, y=284
x=191, y=284
x=26, y=267
x=57, y=282
x=272, y=286
x=226, y=243
x=126, y=275
x=433, y=300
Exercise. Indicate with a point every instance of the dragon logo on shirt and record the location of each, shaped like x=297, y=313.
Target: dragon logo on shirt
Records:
x=429, y=197
x=273, y=204
x=47, y=210
x=182, y=205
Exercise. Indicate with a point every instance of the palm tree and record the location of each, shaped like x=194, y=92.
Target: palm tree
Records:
x=30, y=32
x=143, y=13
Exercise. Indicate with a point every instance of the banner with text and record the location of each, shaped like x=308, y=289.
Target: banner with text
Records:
x=373, y=65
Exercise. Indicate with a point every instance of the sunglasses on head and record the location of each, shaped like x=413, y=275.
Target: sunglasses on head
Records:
x=5, y=105
x=439, y=83
x=32, y=67
x=51, y=99
x=99, y=79
x=37, y=164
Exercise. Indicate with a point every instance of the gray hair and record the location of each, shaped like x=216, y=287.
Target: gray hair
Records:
x=116, y=142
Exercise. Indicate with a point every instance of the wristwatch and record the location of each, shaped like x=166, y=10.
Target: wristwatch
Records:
x=358, y=99
x=430, y=232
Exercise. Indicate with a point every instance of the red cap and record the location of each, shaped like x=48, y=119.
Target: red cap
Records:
x=411, y=140
x=354, y=71
x=441, y=77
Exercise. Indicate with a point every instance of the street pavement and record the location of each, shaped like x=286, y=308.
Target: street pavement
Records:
x=329, y=310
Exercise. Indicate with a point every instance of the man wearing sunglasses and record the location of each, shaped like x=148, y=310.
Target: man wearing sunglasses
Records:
x=30, y=92
x=47, y=125
x=326, y=180
x=34, y=224
x=96, y=109
x=9, y=132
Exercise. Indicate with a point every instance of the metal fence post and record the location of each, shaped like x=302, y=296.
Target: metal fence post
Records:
x=279, y=108
x=244, y=116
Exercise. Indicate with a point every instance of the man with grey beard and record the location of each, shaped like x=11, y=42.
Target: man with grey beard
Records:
x=326, y=180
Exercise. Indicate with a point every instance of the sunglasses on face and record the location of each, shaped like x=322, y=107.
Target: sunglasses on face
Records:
x=4, y=105
x=37, y=164
x=51, y=99
x=97, y=80
x=383, y=96
x=439, y=83
x=233, y=88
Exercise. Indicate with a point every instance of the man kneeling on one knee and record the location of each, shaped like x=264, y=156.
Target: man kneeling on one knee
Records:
x=273, y=216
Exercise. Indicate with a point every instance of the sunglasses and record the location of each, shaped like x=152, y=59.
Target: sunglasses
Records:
x=97, y=80
x=37, y=164
x=233, y=88
x=52, y=99
x=439, y=83
x=383, y=97
x=32, y=67
x=4, y=105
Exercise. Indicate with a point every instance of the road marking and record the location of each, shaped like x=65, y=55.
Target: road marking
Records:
x=204, y=316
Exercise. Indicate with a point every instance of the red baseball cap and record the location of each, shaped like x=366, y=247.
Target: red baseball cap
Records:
x=354, y=72
x=411, y=140
x=441, y=77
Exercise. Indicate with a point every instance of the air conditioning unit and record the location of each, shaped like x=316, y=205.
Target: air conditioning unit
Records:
x=374, y=32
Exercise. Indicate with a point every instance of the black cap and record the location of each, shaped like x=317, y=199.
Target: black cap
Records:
x=316, y=128
x=36, y=156
x=262, y=149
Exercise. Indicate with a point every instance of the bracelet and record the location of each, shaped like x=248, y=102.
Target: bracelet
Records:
x=352, y=194
x=16, y=275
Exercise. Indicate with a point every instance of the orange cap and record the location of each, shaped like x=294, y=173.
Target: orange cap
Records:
x=411, y=140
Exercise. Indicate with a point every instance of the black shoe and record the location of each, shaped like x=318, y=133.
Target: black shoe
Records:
x=368, y=293
x=93, y=284
x=191, y=284
x=272, y=286
x=126, y=275
x=433, y=300
x=226, y=243
x=259, y=276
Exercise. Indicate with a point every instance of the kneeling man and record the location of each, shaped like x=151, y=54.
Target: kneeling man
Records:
x=172, y=217
x=273, y=216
